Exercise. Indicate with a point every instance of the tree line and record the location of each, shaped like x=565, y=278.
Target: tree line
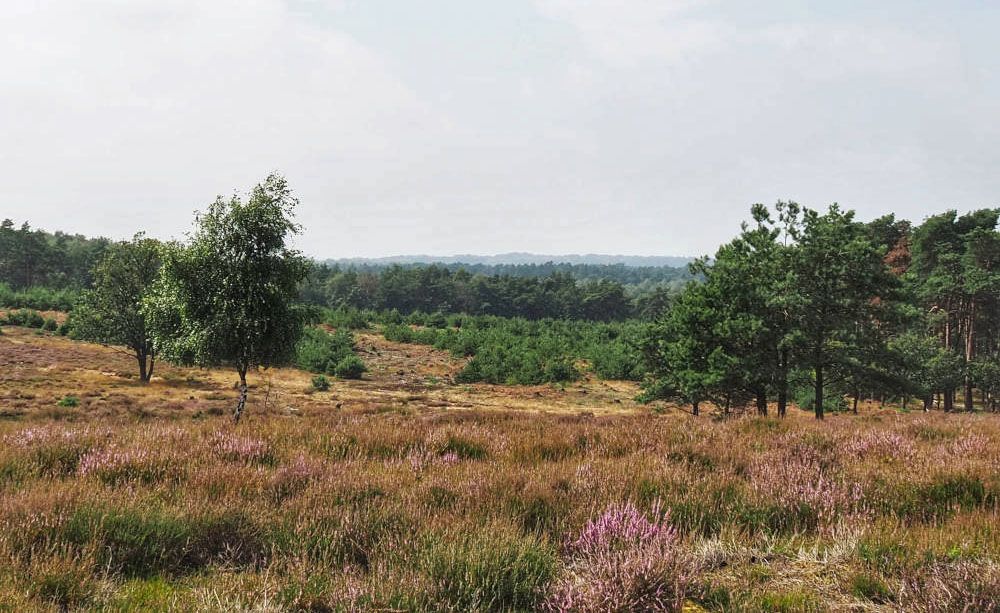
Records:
x=35, y=258
x=807, y=307
x=33, y=262
x=833, y=309
x=628, y=275
x=456, y=289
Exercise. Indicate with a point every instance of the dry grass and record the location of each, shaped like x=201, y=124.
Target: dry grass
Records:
x=406, y=492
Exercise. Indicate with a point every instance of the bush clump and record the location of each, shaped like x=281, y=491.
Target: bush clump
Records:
x=320, y=383
x=329, y=353
x=26, y=318
x=350, y=367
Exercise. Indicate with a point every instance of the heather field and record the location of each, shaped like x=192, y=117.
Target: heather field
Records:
x=407, y=491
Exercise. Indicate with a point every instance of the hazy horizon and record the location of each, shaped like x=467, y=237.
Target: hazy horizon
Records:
x=451, y=127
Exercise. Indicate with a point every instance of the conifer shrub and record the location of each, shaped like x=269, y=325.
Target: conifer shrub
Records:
x=350, y=367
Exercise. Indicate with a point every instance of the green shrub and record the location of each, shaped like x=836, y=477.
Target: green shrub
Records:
x=398, y=333
x=64, y=329
x=938, y=499
x=321, y=352
x=68, y=401
x=523, y=352
x=883, y=555
x=39, y=298
x=320, y=383
x=26, y=318
x=347, y=318
x=350, y=367
x=50, y=325
x=58, y=458
x=436, y=320
x=416, y=318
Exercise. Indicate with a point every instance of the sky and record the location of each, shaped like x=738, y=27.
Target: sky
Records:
x=466, y=126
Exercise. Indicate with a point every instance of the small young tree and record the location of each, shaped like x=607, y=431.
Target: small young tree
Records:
x=681, y=350
x=111, y=312
x=228, y=297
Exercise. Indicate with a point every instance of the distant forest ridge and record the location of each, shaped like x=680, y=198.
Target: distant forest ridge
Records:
x=516, y=258
x=56, y=266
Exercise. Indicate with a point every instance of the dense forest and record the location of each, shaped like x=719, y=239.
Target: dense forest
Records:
x=34, y=262
x=626, y=274
x=36, y=258
x=807, y=307
x=554, y=293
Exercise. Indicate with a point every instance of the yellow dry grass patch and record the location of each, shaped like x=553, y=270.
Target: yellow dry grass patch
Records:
x=39, y=369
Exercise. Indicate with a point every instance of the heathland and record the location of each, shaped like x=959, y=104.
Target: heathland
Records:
x=406, y=490
x=805, y=421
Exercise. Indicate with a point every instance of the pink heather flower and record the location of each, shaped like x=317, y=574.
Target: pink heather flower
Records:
x=295, y=476
x=236, y=448
x=420, y=460
x=114, y=464
x=969, y=445
x=39, y=435
x=881, y=444
x=622, y=561
x=796, y=481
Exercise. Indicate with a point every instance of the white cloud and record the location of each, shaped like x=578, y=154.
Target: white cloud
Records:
x=632, y=126
x=628, y=35
x=166, y=101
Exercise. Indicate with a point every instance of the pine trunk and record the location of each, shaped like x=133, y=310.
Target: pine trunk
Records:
x=762, y=402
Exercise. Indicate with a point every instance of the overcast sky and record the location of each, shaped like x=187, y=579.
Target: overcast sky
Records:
x=441, y=127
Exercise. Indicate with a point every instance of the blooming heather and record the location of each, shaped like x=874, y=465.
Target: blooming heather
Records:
x=623, y=561
x=241, y=448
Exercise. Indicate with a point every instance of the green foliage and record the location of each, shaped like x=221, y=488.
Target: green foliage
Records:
x=68, y=401
x=40, y=298
x=350, y=367
x=26, y=318
x=228, y=296
x=50, y=325
x=558, y=291
x=811, y=292
x=792, y=601
x=111, y=311
x=464, y=448
x=523, y=352
x=31, y=258
x=804, y=395
x=347, y=318
x=320, y=383
x=322, y=352
x=67, y=586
